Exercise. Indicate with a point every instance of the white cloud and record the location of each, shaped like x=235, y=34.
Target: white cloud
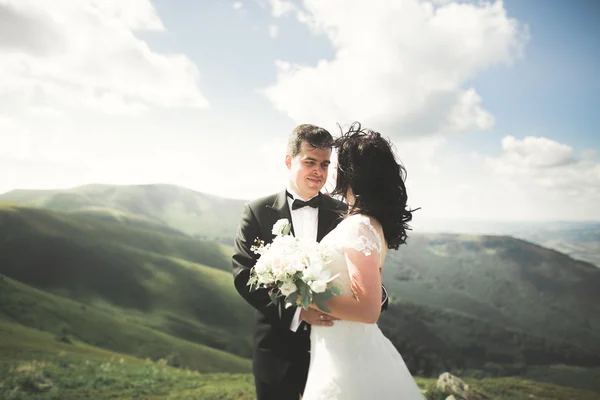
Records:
x=548, y=164
x=547, y=181
x=85, y=55
x=280, y=8
x=238, y=5
x=401, y=64
x=273, y=31
x=534, y=152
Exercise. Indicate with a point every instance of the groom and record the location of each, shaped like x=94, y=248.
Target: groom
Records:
x=281, y=345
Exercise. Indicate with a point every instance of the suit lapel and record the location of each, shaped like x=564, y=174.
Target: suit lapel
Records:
x=328, y=215
x=280, y=209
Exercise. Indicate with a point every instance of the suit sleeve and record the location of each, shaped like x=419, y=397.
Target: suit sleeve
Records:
x=243, y=260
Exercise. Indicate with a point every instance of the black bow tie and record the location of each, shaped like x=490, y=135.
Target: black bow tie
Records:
x=314, y=202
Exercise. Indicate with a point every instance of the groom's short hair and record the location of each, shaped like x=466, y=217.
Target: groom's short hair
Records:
x=313, y=135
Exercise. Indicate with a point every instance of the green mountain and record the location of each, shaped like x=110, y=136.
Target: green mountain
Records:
x=471, y=304
x=188, y=211
x=171, y=283
x=70, y=321
x=490, y=303
x=580, y=240
x=501, y=280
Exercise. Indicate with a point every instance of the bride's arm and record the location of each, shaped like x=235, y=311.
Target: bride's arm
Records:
x=365, y=305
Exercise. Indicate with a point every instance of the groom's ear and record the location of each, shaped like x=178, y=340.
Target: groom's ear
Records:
x=288, y=161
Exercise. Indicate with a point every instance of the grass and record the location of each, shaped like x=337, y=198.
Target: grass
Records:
x=494, y=304
x=521, y=389
x=158, y=280
x=35, y=366
x=20, y=304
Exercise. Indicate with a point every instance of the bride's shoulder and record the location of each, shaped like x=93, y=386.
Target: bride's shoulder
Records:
x=362, y=220
x=364, y=224
x=360, y=233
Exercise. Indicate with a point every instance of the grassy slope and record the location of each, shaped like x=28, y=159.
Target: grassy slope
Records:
x=495, y=282
x=503, y=281
x=34, y=308
x=180, y=208
x=151, y=277
x=433, y=341
x=35, y=366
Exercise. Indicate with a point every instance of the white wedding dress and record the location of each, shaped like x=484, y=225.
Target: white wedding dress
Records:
x=353, y=360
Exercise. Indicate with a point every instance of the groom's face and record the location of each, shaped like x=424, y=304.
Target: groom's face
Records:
x=308, y=170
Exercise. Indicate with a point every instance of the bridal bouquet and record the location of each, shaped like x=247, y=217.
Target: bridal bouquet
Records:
x=292, y=268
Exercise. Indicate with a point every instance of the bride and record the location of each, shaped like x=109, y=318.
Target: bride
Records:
x=352, y=359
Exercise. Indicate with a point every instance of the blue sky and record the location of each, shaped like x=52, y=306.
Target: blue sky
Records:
x=491, y=106
x=553, y=91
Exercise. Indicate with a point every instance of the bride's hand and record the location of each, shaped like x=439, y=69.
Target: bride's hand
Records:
x=316, y=317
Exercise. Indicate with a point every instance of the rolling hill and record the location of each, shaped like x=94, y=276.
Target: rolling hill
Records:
x=473, y=304
x=172, y=283
x=36, y=366
x=501, y=280
x=580, y=240
x=70, y=321
x=491, y=306
x=188, y=211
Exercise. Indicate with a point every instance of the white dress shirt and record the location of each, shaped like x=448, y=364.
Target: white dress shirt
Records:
x=305, y=221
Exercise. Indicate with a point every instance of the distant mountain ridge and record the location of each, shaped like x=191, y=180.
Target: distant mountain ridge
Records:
x=171, y=283
x=186, y=210
x=216, y=218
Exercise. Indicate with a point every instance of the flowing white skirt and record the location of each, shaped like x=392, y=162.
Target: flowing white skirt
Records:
x=355, y=361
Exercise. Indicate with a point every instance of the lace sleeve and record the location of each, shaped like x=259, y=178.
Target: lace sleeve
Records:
x=362, y=236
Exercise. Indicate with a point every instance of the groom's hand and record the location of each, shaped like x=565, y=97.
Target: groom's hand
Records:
x=316, y=317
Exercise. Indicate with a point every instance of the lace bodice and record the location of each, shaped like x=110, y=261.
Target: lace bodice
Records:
x=355, y=232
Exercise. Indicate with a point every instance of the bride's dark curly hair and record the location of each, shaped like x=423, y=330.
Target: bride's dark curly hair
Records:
x=367, y=166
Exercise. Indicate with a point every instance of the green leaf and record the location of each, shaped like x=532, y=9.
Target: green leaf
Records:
x=326, y=295
x=303, y=288
x=273, y=297
x=287, y=229
x=292, y=298
x=305, y=302
x=322, y=306
x=335, y=291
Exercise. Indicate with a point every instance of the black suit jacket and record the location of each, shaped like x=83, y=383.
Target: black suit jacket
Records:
x=276, y=347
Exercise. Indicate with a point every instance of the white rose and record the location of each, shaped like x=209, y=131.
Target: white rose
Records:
x=282, y=227
x=261, y=266
x=318, y=286
x=313, y=271
x=288, y=288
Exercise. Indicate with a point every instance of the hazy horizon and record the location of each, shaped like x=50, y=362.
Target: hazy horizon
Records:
x=423, y=222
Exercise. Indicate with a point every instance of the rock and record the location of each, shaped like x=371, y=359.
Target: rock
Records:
x=451, y=384
x=43, y=386
x=36, y=382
